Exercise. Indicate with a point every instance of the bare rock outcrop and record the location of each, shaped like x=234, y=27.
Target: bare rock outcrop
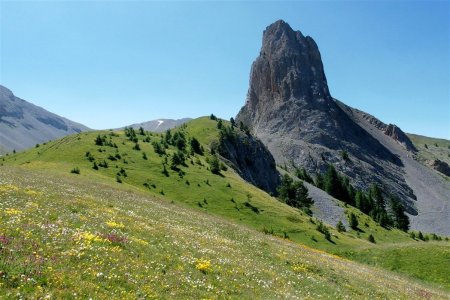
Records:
x=249, y=157
x=290, y=108
x=439, y=166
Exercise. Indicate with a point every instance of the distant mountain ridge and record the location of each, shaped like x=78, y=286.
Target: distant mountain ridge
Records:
x=23, y=125
x=160, y=125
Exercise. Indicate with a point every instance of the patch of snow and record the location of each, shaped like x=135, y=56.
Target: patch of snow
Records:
x=159, y=123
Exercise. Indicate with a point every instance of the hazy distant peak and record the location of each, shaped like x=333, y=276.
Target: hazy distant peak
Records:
x=23, y=124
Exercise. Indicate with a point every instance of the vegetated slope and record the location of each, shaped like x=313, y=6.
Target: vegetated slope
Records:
x=23, y=125
x=433, y=152
x=160, y=125
x=431, y=189
x=194, y=185
x=65, y=236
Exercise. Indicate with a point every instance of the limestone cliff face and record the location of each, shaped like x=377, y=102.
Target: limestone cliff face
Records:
x=249, y=157
x=290, y=108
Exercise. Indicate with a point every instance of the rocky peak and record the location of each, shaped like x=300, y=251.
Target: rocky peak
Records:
x=289, y=66
x=289, y=107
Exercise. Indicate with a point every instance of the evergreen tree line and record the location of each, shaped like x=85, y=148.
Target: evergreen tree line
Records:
x=295, y=194
x=371, y=203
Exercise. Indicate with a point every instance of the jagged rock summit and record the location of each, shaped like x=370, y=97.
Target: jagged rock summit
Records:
x=290, y=108
x=23, y=125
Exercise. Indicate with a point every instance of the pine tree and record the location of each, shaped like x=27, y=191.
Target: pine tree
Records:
x=99, y=140
x=320, y=181
x=340, y=226
x=400, y=219
x=195, y=146
x=214, y=165
x=294, y=194
x=353, y=221
x=333, y=184
x=219, y=124
x=376, y=195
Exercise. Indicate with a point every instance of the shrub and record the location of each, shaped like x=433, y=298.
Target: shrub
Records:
x=159, y=148
x=214, y=165
x=324, y=229
x=164, y=171
x=223, y=166
x=344, y=155
x=420, y=236
x=371, y=239
x=177, y=160
x=353, y=221
x=75, y=170
x=103, y=164
x=122, y=172
x=195, y=146
x=99, y=140
x=252, y=207
x=89, y=156
x=340, y=226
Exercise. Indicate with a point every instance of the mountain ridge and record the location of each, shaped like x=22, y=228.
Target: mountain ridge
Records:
x=23, y=124
x=159, y=125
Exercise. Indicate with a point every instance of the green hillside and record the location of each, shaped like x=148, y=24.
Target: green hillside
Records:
x=68, y=237
x=194, y=186
x=431, y=148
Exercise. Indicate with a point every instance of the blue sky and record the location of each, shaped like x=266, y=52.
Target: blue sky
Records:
x=112, y=63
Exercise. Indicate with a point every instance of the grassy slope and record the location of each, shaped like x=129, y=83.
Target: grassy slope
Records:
x=64, y=236
x=441, y=151
x=214, y=197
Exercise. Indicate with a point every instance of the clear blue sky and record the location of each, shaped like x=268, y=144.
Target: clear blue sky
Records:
x=112, y=63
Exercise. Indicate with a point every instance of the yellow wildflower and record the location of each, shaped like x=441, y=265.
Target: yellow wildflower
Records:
x=299, y=268
x=113, y=224
x=203, y=265
x=139, y=241
x=12, y=211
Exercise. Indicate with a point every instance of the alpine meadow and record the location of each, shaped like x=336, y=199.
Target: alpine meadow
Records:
x=297, y=196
